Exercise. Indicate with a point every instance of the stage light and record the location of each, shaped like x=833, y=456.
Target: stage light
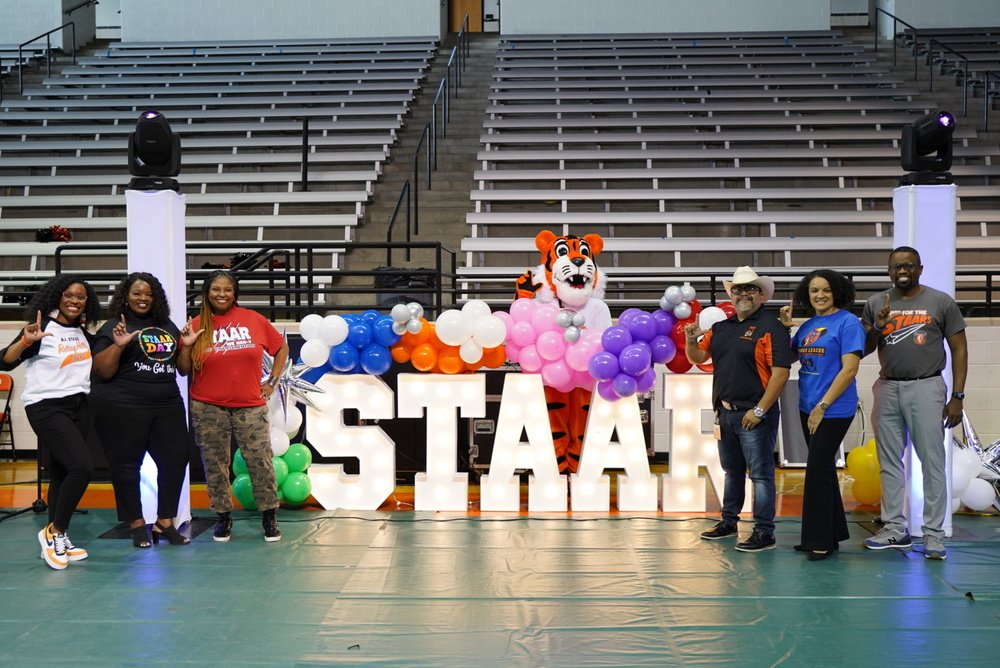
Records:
x=154, y=154
x=925, y=148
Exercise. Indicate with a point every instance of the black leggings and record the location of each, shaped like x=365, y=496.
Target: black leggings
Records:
x=127, y=434
x=63, y=427
x=824, y=523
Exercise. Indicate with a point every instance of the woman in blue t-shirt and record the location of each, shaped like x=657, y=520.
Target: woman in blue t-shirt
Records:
x=137, y=405
x=828, y=347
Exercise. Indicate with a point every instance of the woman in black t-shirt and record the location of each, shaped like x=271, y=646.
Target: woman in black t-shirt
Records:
x=137, y=405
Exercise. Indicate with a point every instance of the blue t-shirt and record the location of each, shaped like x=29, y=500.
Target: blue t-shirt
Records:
x=821, y=341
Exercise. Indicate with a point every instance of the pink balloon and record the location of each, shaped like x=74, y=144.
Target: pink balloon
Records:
x=584, y=379
x=551, y=345
x=578, y=355
x=591, y=334
x=522, y=333
x=522, y=309
x=508, y=321
x=557, y=375
x=544, y=318
x=530, y=360
x=513, y=352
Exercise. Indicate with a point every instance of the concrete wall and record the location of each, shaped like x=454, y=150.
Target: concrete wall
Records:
x=932, y=14
x=153, y=20
x=525, y=17
x=21, y=20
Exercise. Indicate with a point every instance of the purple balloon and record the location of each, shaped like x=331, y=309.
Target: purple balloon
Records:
x=664, y=322
x=606, y=389
x=663, y=348
x=646, y=381
x=634, y=360
x=643, y=327
x=625, y=319
x=624, y=385
x=615, y=339
x=604, y=366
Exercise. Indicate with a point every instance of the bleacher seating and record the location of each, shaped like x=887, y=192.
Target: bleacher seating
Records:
x=691, y=153
x=239, y=108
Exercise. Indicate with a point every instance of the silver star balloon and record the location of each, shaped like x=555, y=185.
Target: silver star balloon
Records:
x=291, y=384
x=989, y=456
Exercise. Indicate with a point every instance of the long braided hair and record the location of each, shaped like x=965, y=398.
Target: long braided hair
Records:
x=203, y=344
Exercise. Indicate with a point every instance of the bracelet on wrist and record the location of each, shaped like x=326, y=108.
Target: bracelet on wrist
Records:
x=25, y=342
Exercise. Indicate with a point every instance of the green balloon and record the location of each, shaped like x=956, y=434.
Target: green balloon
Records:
x=239, y=466
x=298, y=457
x=243, y=491
x=297, y=487
x=280, y=470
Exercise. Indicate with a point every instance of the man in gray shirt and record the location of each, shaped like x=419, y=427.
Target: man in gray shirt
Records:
x=909, y=325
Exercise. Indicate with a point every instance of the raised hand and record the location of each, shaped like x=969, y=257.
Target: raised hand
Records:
x=884, y=314
x=785, y=316
x=33, y=332
x=188, y=337
x=693, y=331
x=121, y=334
x=526, y=286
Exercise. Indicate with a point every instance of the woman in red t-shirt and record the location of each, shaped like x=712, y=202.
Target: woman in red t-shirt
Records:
x=229, y=400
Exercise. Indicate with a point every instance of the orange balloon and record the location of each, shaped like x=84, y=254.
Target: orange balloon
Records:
x=401, y=353
x=449, y=361
x=433, y=337
x=472, y=368
x=494, y=357
x=707, y=367
x=424, y=357
x=410, y=339
x=867, y=493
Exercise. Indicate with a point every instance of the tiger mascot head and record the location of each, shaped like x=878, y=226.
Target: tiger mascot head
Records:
x=568, y=271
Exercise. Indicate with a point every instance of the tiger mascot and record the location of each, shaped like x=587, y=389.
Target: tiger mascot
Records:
x=571, y=280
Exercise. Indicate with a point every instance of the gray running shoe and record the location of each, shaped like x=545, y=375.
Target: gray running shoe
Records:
x=887, y=538
x=934, y=548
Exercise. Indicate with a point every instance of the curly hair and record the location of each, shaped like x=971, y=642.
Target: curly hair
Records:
x=159, y=313
x=46, y=300
x=842, y=289
x=203, y=344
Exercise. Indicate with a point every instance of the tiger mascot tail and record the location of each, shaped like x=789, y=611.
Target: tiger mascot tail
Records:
x=571, y=279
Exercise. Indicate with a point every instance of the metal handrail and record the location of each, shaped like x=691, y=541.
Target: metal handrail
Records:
x=416, y=174
x=81, y=6
x=965, y=71
x=986, y=97
x=896, y=20
x=48, y=52
x=405, y=192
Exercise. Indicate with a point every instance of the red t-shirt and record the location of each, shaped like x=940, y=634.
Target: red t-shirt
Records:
x=231, y=375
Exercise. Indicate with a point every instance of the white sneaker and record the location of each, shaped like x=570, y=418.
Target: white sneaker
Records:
x=53, y=548
x=74, y=553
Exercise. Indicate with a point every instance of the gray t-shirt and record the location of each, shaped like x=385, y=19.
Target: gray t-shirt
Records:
x=912, y=343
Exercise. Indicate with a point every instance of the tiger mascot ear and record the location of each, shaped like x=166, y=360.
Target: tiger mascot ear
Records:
x=596, y=243
x=545, y=240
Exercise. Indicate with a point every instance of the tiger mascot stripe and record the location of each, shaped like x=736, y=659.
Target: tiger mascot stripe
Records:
x=571, y=279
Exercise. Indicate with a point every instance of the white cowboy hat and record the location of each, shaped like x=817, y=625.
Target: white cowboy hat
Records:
x=747, y=276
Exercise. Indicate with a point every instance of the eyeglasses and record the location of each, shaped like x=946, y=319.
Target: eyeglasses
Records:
x=744, y=289
x=908, y=266
x=71, y=297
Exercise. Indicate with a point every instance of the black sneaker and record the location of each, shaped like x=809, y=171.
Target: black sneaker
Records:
x=271, y=531
x=223, y=528
x=720, y=530
x=756, y=542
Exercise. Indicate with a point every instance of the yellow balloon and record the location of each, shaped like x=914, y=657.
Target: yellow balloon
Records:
x=870, y=444
x=862, y=465
x=867, y=493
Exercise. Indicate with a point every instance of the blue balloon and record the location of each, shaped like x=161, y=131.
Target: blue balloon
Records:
x=359, y=335
x=370, y=316
x=384, y=336
x=344, y=358
x=351, y=318
x=314, y=374
x=376, y=359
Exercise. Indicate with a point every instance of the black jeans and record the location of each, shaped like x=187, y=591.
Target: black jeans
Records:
x=63, y=427
x=823, y=521
x=127, y=434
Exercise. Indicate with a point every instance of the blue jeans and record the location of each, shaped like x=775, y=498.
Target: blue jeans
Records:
x=742, y=450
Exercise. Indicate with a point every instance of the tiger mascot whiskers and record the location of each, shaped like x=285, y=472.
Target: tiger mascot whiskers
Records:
x=570, y=279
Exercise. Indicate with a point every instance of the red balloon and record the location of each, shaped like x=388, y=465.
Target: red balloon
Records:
x=696, y=307
x=707, y=367
x=728, y=308
x=678, y=334
x=679, y=364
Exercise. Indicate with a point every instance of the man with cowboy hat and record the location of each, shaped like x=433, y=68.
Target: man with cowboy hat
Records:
x=751, y=355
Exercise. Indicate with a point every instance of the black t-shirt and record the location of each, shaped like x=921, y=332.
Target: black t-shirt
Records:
x=147, y=369
x=743, y=353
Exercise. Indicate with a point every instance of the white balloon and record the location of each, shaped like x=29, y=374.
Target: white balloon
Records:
x=968, y=460
x=489, y=332
x=682, y=311
x=416, y=310
x=959, y=478
x=277, y=419
x=293, y=421
x=453, y=328
x=315, y=353
x=475, y=309
x=979, y=495
x=279, y=442
x=709, y=316
x=687, y=292
x=673, y=295
x=400, y=313
x=309, y=327
x=470, y=352
x=333, y=331
x=413, y=326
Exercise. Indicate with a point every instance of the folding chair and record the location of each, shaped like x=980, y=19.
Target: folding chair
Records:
x=6, y=425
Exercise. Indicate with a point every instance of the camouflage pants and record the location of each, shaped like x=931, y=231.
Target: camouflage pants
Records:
x=214, y=427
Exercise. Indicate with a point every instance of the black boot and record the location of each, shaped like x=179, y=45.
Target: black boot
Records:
x=223, y=528
x=271, y=531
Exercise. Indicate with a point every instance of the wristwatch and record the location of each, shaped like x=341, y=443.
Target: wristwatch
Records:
x=958, y=395
x=823, y=405
x=759, y=412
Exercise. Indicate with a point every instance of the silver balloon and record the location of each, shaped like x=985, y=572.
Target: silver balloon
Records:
x=665, y=305
x=413, y=326
x=564, y=318
x=416, y=310
x=399, y=327
x=579, y=319
x=572, y=334
x=400, y=313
